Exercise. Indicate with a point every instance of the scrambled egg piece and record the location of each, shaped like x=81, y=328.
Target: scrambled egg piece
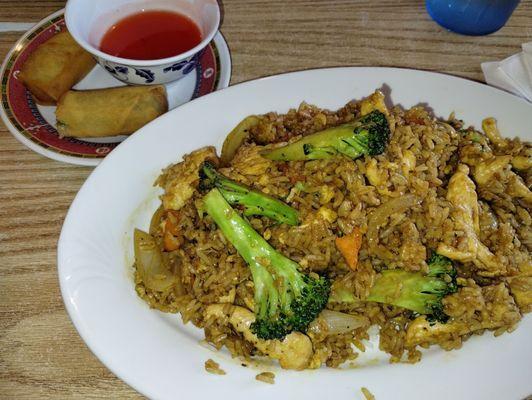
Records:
x=375, y=177
x=495, y=308
x=326, y=194
x=184, y=177
x=293, y=352
x=327, y=214
x=378, y=177
x=408, y=163
x=465, y=215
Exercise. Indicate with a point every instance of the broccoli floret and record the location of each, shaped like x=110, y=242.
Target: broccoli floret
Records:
x=252, y=201
x=286, y=299
x=415, y=291
x=366, y=135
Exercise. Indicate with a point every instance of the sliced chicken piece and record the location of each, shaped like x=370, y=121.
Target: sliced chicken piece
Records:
x=293, y=352
x=462, y=195
x=249, y=161
x=486, y=259
x=228, y=298
x=485, y=171
x=462, y=255
x=421, y=331
x=372, y=103
x=522, y=163
x=521, y=286
x=489, y=126
x=517, y=188
x=488, y=219
x=184, y=178
x=496, y=309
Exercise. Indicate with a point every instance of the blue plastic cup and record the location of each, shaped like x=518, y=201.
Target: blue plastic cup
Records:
x=471, y=17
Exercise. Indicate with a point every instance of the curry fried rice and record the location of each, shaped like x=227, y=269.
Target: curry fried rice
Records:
x=439, y=187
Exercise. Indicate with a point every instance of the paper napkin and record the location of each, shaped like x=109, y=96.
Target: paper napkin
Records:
x=513, y=74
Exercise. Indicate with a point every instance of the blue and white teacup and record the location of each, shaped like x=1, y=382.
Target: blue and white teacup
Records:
x=88, y=20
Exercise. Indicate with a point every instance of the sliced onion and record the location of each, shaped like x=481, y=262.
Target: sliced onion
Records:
x=156, y=220
x=335, y=322
x=149, y=263
x=379, y=217
x=237, y=137
x=174, y=263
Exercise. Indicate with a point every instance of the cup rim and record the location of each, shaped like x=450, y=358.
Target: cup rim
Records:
x=133, y=62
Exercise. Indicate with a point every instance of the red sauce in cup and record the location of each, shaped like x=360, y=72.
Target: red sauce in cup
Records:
x=151, y=35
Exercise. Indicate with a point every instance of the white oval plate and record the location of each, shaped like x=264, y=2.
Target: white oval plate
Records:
x=159, y=356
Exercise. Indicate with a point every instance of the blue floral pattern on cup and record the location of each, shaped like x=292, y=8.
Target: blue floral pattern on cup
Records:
x=146, y=75
x=185, y=66
x=119, y=72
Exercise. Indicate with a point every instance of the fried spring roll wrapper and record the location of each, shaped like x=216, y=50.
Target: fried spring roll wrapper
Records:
x=56, y=66
x=109, y=112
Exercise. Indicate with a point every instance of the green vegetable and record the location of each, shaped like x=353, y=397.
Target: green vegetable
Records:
x=416, y=291
x=253, y=201
x=475, y=137
x=366, y=135
x=300, y=186
x=342, y=295
x=286, y=299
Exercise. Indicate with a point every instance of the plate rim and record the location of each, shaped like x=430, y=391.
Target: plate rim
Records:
x=221, y=49
x=73, y=315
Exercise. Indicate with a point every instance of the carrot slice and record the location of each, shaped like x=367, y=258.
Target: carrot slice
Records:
x=349, y=246
x=171, y=235
x=171, y=242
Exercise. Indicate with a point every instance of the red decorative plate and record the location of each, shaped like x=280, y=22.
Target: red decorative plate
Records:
x=34, y=125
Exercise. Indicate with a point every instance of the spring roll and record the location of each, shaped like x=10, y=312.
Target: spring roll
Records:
x=56, y=66
x=109, y=112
